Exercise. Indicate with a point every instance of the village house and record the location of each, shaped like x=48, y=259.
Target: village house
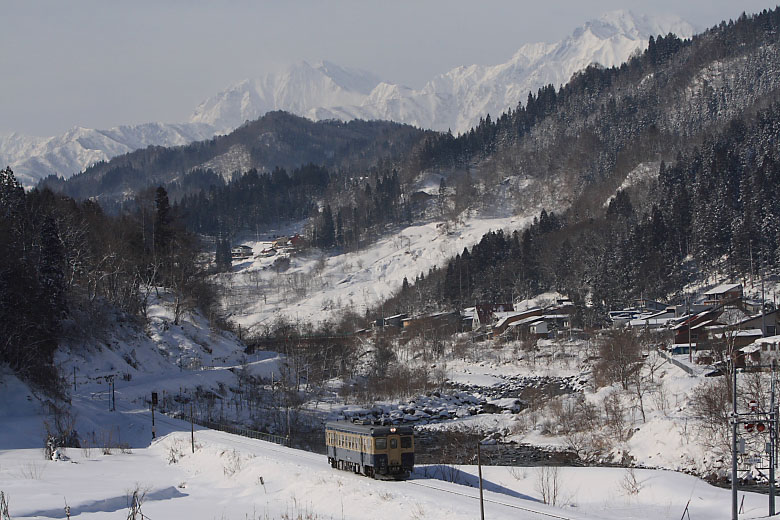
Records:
x=467, y=318
x=532, y=327
x=642, y=308
x=280, y=242
x=767, y=322
x=723, y=327
x=504, y=319
x=435, y=323
x=241, y=252
x=484, y=315
x=764, y=351
x=724, y=294
x=550, y=322
x=391, y=321
x=654, y=321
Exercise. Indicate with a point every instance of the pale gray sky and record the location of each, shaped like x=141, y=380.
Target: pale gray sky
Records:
x=98, y=63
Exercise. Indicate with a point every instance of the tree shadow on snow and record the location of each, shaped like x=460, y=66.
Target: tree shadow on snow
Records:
x=452, y=474
x=107, y=505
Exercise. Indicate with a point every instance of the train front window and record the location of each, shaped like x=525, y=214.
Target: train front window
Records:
x=406, y=442
x=381, y=443
x=393, y=443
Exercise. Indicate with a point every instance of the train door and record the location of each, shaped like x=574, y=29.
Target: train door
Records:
x=394, y=449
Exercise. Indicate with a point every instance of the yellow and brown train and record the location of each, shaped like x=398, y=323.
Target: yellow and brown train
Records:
x=370, y=449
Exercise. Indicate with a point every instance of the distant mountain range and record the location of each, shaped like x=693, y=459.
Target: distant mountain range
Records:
x=453, y=101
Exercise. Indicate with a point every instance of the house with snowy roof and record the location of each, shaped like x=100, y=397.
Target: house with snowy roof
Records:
x=724, y=294
x=241, y=252
x=763, y=351
x=485, y=313
x=438, y=322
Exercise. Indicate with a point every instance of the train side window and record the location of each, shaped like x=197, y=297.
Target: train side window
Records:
x=393, y=443
x=381, y=443
x=406, y=442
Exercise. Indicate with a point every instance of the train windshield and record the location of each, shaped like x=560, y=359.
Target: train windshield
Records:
x=381, y=443
x=406, y=442
x=393, y=443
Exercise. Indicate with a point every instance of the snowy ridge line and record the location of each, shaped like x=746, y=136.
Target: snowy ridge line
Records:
x=542, y=513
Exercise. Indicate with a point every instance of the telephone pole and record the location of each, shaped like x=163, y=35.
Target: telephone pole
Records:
x=154, y=402
x=479, y=469
x=192, y=429
x=735, y=421
x=772, y=444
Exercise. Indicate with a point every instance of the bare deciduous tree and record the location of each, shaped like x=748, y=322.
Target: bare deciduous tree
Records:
x=548, y=484
x=620, y=357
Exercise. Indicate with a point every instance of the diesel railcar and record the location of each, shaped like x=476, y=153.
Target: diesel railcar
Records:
x=373, y=450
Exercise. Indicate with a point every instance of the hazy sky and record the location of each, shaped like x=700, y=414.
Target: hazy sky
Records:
x=101, y=63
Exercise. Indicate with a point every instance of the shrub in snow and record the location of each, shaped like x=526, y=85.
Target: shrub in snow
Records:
x=54, y=443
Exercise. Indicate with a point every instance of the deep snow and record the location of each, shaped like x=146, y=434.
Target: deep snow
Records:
x=235, y=477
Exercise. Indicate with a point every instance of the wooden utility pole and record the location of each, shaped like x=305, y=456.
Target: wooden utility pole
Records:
x=154, y=402
x=111, y=405
x=734, y=422
x=192, y=429
x=479, y=469
x=772, y=439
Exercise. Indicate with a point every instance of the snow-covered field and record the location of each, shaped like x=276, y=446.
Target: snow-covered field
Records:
x=231, y=477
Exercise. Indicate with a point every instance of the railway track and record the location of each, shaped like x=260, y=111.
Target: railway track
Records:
x=252, y=445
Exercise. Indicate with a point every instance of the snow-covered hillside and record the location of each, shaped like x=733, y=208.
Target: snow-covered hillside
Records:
x=454, y=100
x=316, y=287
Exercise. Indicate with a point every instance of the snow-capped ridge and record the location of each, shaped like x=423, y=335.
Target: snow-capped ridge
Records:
x=454, y=100
x=299, y=88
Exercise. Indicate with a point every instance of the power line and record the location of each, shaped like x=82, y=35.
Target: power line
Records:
x=542, y=513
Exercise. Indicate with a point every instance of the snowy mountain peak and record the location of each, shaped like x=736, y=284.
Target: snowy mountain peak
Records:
x=637, y=27
x=354, y=80
x=454, y=100
x=298, y=88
